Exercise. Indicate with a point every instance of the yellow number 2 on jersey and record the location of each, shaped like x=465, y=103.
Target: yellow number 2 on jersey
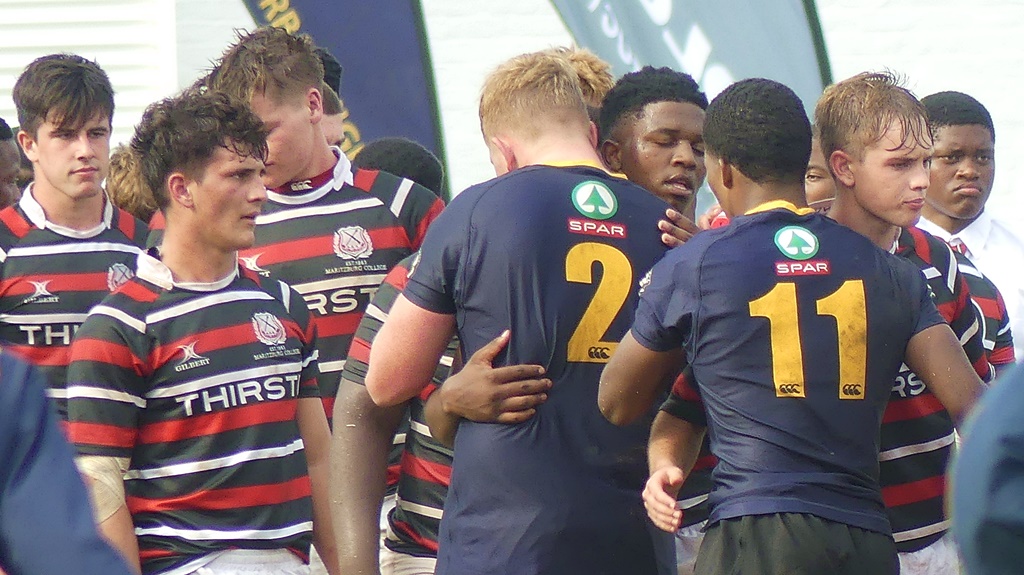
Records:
x=585, y=344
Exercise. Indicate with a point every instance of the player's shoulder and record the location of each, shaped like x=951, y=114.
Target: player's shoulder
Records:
x=14, y=226
x=135, y=231
x=917, y=243
x=282, y=292
x=387, y=186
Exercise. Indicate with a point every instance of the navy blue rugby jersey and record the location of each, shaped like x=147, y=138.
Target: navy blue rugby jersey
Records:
x=795, y=327
x=555, y=255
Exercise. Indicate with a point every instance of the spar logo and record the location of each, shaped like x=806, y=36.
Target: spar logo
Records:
x=594, y=200
x=118, y=275
x=352, y=243
x=268, y=328
x=796, y=243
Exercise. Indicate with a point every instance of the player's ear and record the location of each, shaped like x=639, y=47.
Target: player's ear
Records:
x=28, y=145
x=726, y=170
x=315, y=104
x=178, y=190
x=592, y=135
x=506, y=156
x=840, y=162
x=611, y=154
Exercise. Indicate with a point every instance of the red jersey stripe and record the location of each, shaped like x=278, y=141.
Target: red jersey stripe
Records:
x=226, y=499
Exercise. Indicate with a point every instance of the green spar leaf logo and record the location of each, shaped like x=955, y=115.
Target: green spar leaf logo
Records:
x=594, y=200
x=796, y=243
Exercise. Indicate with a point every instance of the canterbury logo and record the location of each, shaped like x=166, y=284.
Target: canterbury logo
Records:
x=852, y=390
x=598, y=353
x=789, y=389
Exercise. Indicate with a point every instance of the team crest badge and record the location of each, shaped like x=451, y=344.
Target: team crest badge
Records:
x=796, y=243
x=352, y=243
x=118, y=275
x=594, y=200
x=268, y=328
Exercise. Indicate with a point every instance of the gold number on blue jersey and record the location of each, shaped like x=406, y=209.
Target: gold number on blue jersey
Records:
x=847, y=306
x=586, y=345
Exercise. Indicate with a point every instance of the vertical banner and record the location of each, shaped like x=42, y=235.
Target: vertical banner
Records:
x=387, y=83
x=715, y=42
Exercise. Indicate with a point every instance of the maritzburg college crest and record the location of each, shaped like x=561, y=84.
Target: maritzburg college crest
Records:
x=352, y=243
x=268, y=328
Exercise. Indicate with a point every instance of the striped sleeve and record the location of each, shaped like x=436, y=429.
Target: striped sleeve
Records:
x=106, y=383
x=359, y=352
x=684, y=401
x=414, y=206
x=299, y=312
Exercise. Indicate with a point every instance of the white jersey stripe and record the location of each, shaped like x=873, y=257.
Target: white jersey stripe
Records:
x=420, y=428
x=401, y=195
x=916, y=448
x=204, y=302
x=297, y=213
x=134, y=323
x=370, y=280
x=930, y=272
x=969, y=332
x=691, y=502
x=951, y=272
x=375, y=312
x=72, y=248
x=221, y=534
x=292, y=367
x=922, y=531
x=286, y=296
x=87, y=392
x=418, y=509
x=332, y=366
x=43, y=318
x=186, y=468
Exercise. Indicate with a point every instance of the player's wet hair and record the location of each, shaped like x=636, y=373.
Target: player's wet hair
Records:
x=635, y=90
x=270, y=62
x=65, y=89
x=857, y=112
x=403, y=157
x=126, y=185
x=957, y=109
x=760, y=127
x=183, y=133
x=530, y=95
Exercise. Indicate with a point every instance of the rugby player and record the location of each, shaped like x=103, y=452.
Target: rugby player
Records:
x=194, y=395
x=558, y=493
x=796, y=481
x=65, y=246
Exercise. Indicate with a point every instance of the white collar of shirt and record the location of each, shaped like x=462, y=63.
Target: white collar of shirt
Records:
x=342, y=175
x=974, y=236
x=37, y=216
x=156, y=272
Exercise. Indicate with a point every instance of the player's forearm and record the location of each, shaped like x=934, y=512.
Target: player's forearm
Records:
x=631, y=380
x=119, y=530
x=935, y=355
x=673, y=442
x=442, y=424
x=360, y=445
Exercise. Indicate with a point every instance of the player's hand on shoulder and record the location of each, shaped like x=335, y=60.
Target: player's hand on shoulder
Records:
x=705, y=220
x=676, y=229
x=483, y=393
x=660, y=498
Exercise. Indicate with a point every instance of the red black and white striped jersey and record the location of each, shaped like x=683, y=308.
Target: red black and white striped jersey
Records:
x=199, y=386
x=50, y=276
x=989, y=305
x=424, y=465
x=684, y=402
x=917, y=432
x=334, y=244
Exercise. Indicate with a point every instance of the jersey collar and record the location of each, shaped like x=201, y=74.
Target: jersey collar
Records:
x=151, y=269
x=779, y=205
x=586, y=163
x=342, y=175
x=37, y=216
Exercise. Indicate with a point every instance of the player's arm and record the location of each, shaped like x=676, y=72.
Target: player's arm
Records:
x=676, y=228
x=315, y=435
x=672, y=450
x=406, y=351
x=360, y=444
x=631, y=380
x=481, y=392
x=936, y=356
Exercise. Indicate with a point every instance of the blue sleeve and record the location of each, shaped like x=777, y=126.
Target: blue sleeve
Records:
x=433, y=276
x=664, y=315
x=46, y=523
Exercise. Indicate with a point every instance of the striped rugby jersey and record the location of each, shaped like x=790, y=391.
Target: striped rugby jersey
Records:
x=50, y=276
x=199, y=387
x=334, y=245
x=684, y=402
x=989, y=305
x=917, y=432
x=422, y=468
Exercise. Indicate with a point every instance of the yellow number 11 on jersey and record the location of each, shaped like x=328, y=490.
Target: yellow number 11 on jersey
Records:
x=846, y=305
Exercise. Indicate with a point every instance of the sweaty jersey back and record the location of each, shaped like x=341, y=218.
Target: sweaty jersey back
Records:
x=555, y=255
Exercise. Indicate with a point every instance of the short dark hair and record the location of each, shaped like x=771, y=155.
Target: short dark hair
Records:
x=956, y=109
x=66, y=89
x=331, y=101
x=648, y=85
x=182, y=134
x=5, y=131
x=332, y=68
x=403, y=157
x=760, y=127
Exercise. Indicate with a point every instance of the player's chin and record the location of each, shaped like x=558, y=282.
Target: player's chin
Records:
x=905, y=216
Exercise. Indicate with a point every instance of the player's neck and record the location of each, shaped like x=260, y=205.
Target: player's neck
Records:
x=74, y=213
x=756, y=195
x=193, y=261
x=952, y=225
x=323, y=159
x=846, y=211
x=558, y=151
